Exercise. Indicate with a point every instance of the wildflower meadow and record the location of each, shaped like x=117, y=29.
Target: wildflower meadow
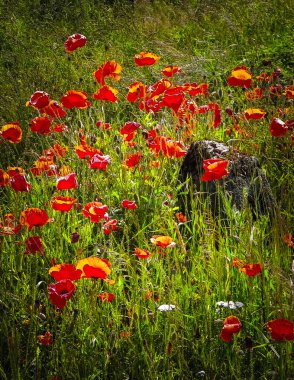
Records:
x=111, y=268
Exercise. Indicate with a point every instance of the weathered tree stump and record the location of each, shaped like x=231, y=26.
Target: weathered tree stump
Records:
x=245, y=186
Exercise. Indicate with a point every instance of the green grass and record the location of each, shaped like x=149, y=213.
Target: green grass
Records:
x=207, y=39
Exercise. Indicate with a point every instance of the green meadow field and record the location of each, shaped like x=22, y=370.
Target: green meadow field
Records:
x=104, y=273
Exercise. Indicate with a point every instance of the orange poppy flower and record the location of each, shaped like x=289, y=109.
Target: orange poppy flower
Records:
x=289, y=240
x=61, y=292
x=94, y=267
x=163, y=241
x=65, y=271
x=154, y=164
x=9, y=226
x=241, y=77
x=53, y=109
x=278, y=128
x=142, y=253
x=19, y=183
x=150, y=295
x=130, y=205
x=34, y=245
x=132, y=159
x=264, y=77
x=106, y=93
x=41, y=124
x=108, y=69
x=181, y=217
x=170, y=71
x=74, y=42
x=137, y=90
x=44, y=164
x=281, y=329
x=75, y=99
x=145, y=59
x=34, y=217
x=195, y=89
x=46, y=339
x=106, y=297
x=254, y=113
x=67, y=182
x=109, y=226
x=99, y=161
x=256, y=93
x=215, y=169
x=232, y=325
x=4, y=178
x=60, y=203
x=95, y=211
x=11, y=132
x=38, y=99
x=289, y=91
x=57, y=150
x=251, y=269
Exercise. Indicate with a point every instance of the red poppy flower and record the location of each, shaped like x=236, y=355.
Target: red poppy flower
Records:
x=95, y=211
x=109, y=226
x=106, y=93
x=75, y=99
x=145, y=59
x=46, y=339
x=44, y=164
x=129, y=129
x=34, y=217
x=61, y=292
x=101, y=124
x=256, y=93
x=34, y=245
x=99, y=161
x=170, y=71
x=173, y=98
x=264, y=77
x=251, y=269
x=65, y=271
x=108, y=69
x=94, y=267
x=74, y=42
x=41, y=124
x=254, y=113
x=12, y=170
x=9, y=226
x=137, y=90
x=60, y=203
x=142, y=253
x=38, y=99
x=278, y=128
x=67, y=182
x=53, y=109
x=19, y=183
x=240, y=77
x=4, y=178
x=59, y=127
x=11, y=132
x=131, y=205
x=281, y=329
x=215, y=169
x=132, y=159
x=232, y=325
x=106, y=297
x=163, y=241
